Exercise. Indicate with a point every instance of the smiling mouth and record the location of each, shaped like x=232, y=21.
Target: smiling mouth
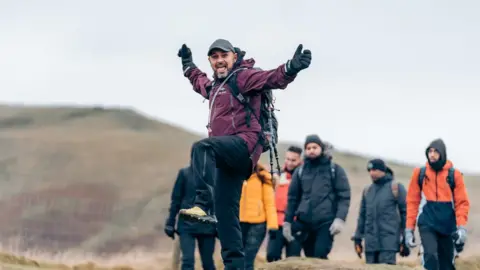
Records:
x=221, y=69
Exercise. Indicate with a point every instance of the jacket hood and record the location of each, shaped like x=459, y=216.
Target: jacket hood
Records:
x=440, y=146
x=262, y=173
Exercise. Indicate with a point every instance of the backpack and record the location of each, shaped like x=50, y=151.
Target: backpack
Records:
x=450, y=177
x=393, y=184
x=268, y=121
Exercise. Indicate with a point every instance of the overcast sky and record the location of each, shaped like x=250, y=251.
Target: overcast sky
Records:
x=386, y=77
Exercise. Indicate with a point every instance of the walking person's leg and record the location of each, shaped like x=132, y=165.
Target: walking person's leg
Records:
x=430, y=248
x=206, y=248
x=254, y=240
x=275, y=245
x=446, y=252
x=187, y=245
x=323, y=241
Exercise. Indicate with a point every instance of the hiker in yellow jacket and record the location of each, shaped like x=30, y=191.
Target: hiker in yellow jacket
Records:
x=257, y=212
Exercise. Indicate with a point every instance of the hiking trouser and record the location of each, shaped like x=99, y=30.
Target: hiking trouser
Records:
x=381, y=257
x=319, y=242
x=226, y=160
x=206, y=248
x=252, y=235
x=438, y=250
x=275, y=247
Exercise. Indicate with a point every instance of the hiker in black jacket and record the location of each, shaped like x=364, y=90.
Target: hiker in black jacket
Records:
x=319, y=198
x=382, y=217
x=183, y=196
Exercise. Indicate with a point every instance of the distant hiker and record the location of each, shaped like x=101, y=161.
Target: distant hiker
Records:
x=438, y=198
x=236, y=136
x=257, y=212
x=276, y=240
x=183, y=196
x=319, y=198
x=382, y=216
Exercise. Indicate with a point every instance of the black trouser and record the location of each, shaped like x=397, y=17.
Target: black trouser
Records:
x=379, y=257
x=319, y=242
x=277, y=243
x=252, y=235
x=227, y=158
x=438, y=250
x=206, y=248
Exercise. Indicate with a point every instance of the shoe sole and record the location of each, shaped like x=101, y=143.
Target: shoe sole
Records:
x=202, y=219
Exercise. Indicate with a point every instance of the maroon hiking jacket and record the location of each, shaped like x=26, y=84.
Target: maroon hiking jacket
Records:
x=227, y=115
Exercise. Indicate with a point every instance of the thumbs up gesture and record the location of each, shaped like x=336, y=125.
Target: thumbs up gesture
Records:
x=300, y=60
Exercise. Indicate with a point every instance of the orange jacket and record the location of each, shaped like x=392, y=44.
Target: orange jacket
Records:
x=257, y=204
x=281, y=196
x=434, y=200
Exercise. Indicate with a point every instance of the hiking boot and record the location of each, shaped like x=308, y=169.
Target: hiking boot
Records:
x=198, y=215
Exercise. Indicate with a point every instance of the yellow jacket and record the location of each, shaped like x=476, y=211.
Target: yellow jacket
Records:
x=257, y=204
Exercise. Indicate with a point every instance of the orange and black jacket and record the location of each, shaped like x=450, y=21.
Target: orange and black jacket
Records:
x=434, y=205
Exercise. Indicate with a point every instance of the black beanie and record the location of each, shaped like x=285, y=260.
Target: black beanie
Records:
x=377, y=164
x=313, y=138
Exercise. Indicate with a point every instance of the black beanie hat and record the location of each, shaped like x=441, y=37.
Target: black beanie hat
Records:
x=313, y=138
x=377, y=164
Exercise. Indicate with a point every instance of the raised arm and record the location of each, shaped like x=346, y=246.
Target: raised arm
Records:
x=279, y=78
x=199, y=80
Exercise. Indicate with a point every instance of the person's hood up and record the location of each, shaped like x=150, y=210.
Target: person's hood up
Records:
x=440, y=146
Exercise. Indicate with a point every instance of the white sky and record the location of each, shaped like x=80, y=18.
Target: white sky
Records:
x=386, y=77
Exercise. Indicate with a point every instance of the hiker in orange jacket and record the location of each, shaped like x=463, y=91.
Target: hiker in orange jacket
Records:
x=276, y=240
x=257, y=212
x=438, y=199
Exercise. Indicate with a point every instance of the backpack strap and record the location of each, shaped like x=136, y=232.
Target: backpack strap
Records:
x=451, y=178
x=421, y=176
x=245, y=101
x=394, y=185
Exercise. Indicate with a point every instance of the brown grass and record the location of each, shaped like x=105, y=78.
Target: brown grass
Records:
x=93, y=185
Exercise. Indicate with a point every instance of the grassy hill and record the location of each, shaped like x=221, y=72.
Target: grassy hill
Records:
x=98, y=180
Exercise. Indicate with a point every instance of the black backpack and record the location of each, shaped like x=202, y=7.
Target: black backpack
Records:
x=268, y=121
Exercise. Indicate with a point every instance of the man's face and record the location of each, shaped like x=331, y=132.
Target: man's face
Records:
x=313, y=150
x=292, y=160
x=222, y=62
x=376, y=174
x=433, y=155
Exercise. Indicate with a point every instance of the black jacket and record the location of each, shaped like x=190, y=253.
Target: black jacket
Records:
x=315, y=198
x=183, y=197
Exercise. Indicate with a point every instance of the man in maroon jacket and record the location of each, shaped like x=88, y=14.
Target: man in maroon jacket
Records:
x=228, y=156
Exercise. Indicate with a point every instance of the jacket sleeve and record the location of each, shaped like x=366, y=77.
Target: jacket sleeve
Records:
x=462, y=202
x=257, y=80
x=402, y=205
x=199, y=80
x=294, y=196
x=360, y=231
x=176, y=198
x=269, y=204
x=414, y=197
x=343, y=193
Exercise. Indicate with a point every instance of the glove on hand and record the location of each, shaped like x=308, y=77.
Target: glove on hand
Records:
x=357, y=244
x=337, y=226
x=287, y=231
x=459, y=238
x=170, y=232
x=186, y=54
x=300, y=60
x=410, y=238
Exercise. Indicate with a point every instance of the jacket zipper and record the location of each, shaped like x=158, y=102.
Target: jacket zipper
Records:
x=436, y=185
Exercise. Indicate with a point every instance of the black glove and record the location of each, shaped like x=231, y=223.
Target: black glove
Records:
x=300, y=60
x=357, y=244
x=272, y=234
x=458, y=246
x=404, y=250
x=186, y=54
x=170, y=231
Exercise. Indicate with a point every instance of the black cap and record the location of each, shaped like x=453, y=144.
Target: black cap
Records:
x=377, y=164
x=313, y=138
x=221, y=44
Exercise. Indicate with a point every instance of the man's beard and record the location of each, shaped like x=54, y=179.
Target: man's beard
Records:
x=223, y=74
